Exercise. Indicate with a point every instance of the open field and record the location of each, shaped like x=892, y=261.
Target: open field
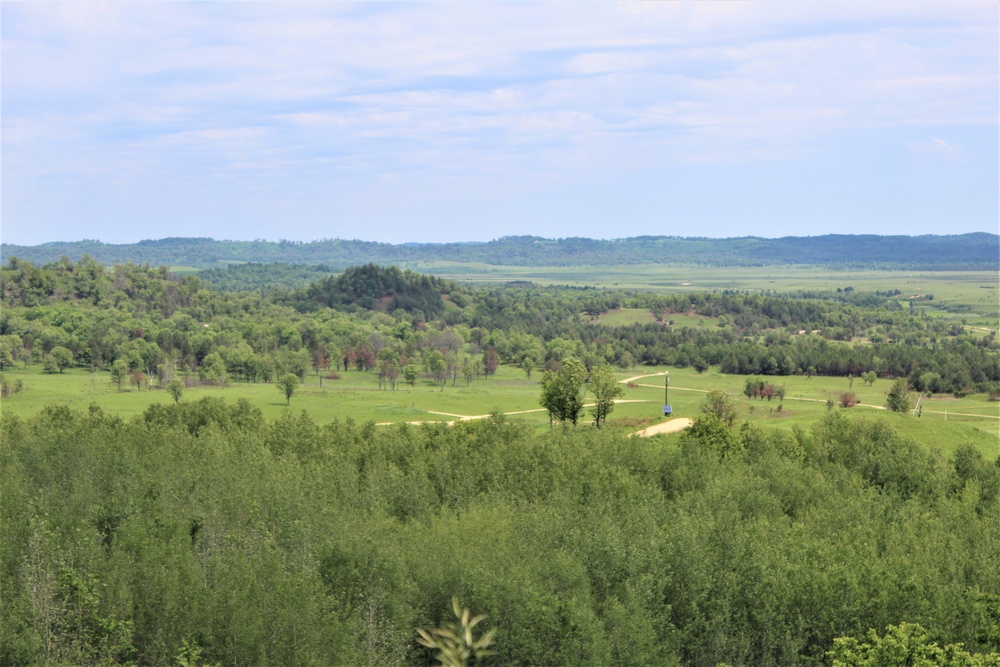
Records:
x=945, y=421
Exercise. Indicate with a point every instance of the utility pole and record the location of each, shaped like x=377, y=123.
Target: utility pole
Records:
x=667, y=410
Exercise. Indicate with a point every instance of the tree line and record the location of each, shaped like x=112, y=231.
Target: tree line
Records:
x=385, y=320
x=977, y=251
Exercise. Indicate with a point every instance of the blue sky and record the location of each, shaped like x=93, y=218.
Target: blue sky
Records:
x=471, y=121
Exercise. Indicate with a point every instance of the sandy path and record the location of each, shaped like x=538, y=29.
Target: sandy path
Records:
x=672, y=426
x=513, y=412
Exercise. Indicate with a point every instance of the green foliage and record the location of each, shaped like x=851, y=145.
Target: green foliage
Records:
x=455, y=642
x=411, y=373
x=708, y=431
x=721, y=406
x=286, y=385
x=213, y=370
x=904, y=645
x=374, y=287
x=562, y=391
x=605, y=388
x=201, y=532
x=898, y=398
x=10, y=386
x=926, y=252
x=119, y=371
x=176, y=388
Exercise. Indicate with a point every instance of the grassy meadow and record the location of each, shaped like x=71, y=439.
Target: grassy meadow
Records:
x=945, y=421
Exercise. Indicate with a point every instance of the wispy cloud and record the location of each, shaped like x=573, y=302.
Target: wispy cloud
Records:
x=330, y=97
x=936, y=150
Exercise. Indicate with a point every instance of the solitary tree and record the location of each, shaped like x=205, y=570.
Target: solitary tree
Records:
x=898, y=398
x=848, y=399
x=287, y=384
x=176, y=388
x=869, y=377
x=606, y=389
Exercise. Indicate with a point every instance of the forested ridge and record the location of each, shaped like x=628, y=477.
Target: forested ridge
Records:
x=975, y=251
x=200, y=532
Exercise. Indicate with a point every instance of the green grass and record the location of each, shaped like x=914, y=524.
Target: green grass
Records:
x=625, y=316
x=621, y=317
x=184, y=270
x=945, y=421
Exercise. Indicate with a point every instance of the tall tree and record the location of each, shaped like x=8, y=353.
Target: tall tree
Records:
x=898, y=398
x=562, y=392
x=491, y=361
x=119, y=371
x=605, y=388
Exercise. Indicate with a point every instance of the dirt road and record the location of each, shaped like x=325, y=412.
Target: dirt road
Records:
x=672, y=426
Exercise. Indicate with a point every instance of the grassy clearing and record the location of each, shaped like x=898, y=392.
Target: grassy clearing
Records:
x=945, y=421
x=625, y=316
x=184, y=270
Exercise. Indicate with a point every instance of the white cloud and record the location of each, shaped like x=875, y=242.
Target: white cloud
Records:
x=468, y=90
x=934, y=149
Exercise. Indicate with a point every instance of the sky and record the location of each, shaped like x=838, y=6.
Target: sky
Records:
x=470, y=121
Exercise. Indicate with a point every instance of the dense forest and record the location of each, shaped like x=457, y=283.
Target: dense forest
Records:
x=977, y=251
x=200, y=533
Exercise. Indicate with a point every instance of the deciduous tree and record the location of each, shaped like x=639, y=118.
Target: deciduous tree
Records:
x=287, y=384
x=718, y=404
x=605, y=388
x=898, y=398
x=176, y=388
x=562, y=392
x=62, y=357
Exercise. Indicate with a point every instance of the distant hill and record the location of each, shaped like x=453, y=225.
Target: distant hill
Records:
x=979, y=251
x=372, y=287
